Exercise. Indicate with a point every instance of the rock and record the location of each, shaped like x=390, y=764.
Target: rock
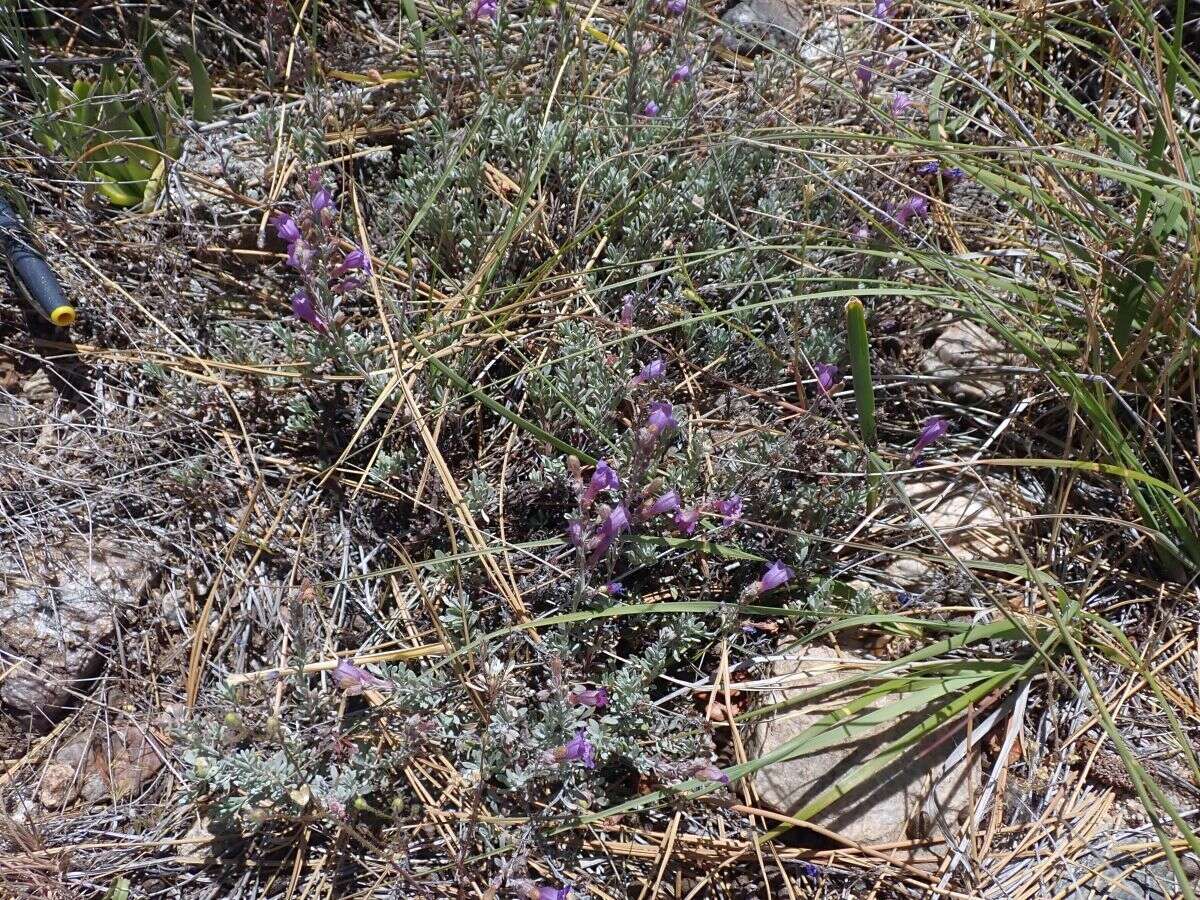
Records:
x=965, y=517
x=56, y=614
x=968, y=354
x=918, y=795
x=784, y=23
x=95, y=767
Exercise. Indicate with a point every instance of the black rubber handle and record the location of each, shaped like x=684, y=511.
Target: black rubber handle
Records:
x=30, y=274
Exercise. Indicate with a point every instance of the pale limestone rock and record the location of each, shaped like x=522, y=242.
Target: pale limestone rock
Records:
x=969, y=355
x=56, y=615
x=918, y=795
x=965, y=516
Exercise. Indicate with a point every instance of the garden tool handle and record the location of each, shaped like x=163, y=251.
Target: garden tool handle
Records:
x=30, y=274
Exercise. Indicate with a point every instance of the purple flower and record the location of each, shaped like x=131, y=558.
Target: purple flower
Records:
x=929, y=168
x=681, y=74
x=915, y=205
x=686, y=520
x=286, y=228
x=668, y=502
x=484, y=9
x=579, y=747
x=826, y=376
x=575, y=533
x=300, y=256
x=346, y=285
x=604, y=478
x=676, y=7
x=954, y=175
x=627, y=310
x=356, y=260
x=615, y=522
x=900, y=103
x=650, y=110
x=303, y=309
x=934, y=429
x=862, y=232
x=661, y=418
x=651, y=371
x=808, y=870
x=730, y=510
x=864, y=75
x=709, y=772
x=777, y=574
x=322, y=201
x=353, y=680
x=614, y=588
x=596, y=699
x=527, y=890
x=883, y=9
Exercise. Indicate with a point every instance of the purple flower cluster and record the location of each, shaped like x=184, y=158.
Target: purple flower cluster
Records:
x=311, y=247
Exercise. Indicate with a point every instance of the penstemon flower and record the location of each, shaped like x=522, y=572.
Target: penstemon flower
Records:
x=527, y=890
x=681, y=74
x=605, y=478
x=915, y=206
x=578, y=748
x=303, y=309
x=777, y=574
x=730, y=510
x=354, y=680
x=934, y=429
x=826, y=376
x=650, y=110
x=651, y=371
x=668, y=502
x=596, y=699
x=686, y=521
x=662, y=418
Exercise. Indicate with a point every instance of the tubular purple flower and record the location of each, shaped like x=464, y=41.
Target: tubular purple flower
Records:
x=661, y=419
x=575, y=533
x=709, y=772
x=300, y=256
x=883, y=9
x=322, y=200
x=954, y=175
x=527, y=890
x=353, y=680
x=730, y=510
x=614, y=588
x=615, y=522
x=681, y=74
x=627, y=310
x=356, y=260
x=686, y=521
x=915, y=206
x=651, y=371
x=900, y=103
x=303, y=309
x=604, y=478
x=596, y=699
x=864, y=75
x=580, y=748
x=484, y=9
x=929, y=168
x=934, y=429
x=650, y=110
x=826, y=375
x=286, y=228
x=777, y=574
x=346, y=285
x=676, y=7
x=668, y=502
